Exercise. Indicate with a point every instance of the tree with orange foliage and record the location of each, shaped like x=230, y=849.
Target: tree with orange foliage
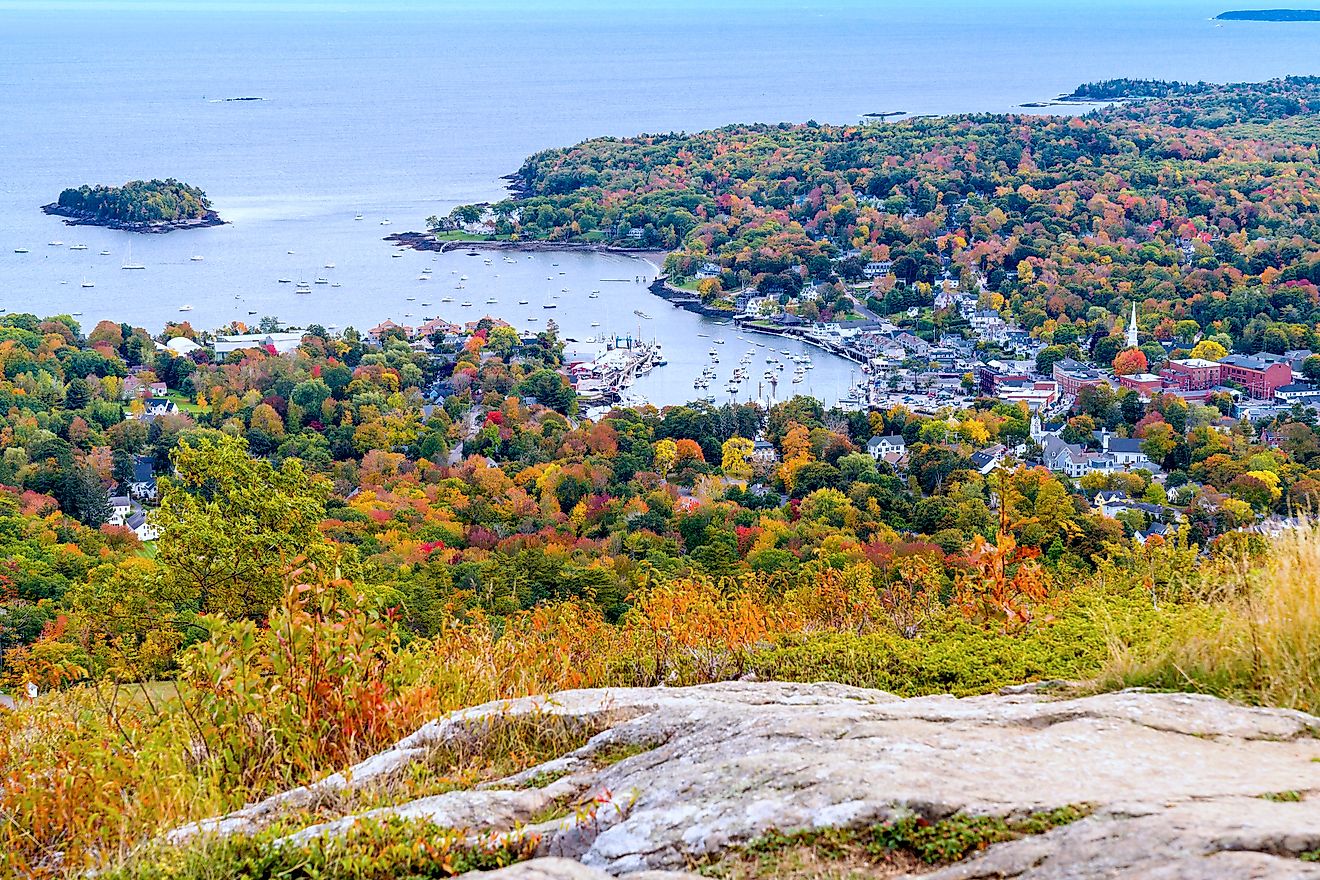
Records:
x=1130, y=362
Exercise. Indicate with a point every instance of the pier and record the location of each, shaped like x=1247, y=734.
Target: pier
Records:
x=609, y=375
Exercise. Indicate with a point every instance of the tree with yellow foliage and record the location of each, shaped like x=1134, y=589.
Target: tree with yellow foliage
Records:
x=666, y=456
x=1209, y=350
x=736, y=458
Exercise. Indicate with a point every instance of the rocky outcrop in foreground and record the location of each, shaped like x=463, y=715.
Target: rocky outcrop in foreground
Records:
x=1178, y=786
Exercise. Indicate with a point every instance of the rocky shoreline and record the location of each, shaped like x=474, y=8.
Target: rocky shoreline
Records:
x=425, y=241
x=686, y=300
x=84, y=218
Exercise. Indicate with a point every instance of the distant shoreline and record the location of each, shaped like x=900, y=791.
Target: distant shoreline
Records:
x=84, y=218
x=425, y=241
x=1280, y=15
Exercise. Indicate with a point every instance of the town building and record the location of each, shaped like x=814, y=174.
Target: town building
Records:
x=271, y=343
x=1073, y=376
x=1145, y=384
x=1261, y=377
x=1191, y=374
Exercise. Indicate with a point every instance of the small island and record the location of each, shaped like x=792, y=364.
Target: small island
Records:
x=1270, y=15
x=137, y=206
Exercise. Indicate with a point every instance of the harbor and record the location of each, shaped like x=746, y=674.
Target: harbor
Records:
x=605, y=378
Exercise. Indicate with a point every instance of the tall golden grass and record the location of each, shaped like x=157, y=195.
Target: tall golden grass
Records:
x=1261, y=642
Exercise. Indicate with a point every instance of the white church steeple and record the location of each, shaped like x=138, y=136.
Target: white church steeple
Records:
x=1132, y=328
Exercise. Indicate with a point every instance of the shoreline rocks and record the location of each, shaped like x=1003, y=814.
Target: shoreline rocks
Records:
x=425, y=241
x=83, y=218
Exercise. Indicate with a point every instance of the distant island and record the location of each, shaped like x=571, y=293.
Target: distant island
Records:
x=1270, y=15
x=137, y=206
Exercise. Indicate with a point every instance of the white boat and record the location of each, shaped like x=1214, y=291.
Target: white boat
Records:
x=595, y=294
x=21, y=250
x=397, y=256
x=595, y=323
x=288, y=252
x=336, y=284
x=196, y=258
x=462, y=278
x=185, y=308
x=329, y=265
x=532, y=319
x=57, y=244
x=87, y=283
x=105, y=253
x=358, y=217
x=423, y=277
x=286, y=281
x=446, y=299
x=522, y=302
x=128, y=261
x=426, y=271
x=303, y=289
x=491, y=301
x=384, y=223
x=77, y=247
x=465, y=304
x=550, y=306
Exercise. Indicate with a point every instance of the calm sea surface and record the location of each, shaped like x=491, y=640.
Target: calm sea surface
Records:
x=399, y=113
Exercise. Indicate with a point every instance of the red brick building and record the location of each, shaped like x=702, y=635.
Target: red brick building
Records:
x=1192, y=374
x=1260, y=377
x=1073, y=376
x=1145, y=384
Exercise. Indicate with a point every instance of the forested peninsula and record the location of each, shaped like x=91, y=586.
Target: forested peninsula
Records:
x=137, y=206
x=1270, y=15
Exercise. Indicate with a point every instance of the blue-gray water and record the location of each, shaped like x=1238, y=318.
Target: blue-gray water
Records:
x=402, y=112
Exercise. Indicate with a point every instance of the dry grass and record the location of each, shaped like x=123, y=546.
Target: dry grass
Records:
x=1264, y=646
x=806, y=863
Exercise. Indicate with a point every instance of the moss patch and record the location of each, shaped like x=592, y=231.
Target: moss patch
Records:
x=1283, y=797
x=883, y=850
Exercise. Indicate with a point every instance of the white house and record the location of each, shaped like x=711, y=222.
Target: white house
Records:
x=120, y=507
x=142, y=527
x=879, y=447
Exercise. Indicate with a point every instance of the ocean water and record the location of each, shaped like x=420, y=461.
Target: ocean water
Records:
x=399, y=111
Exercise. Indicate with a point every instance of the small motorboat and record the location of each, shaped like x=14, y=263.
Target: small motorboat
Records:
x=196, y=258
x=185, y=308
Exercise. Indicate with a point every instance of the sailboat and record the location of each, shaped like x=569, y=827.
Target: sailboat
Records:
x=128, y=261
x=86, y=283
